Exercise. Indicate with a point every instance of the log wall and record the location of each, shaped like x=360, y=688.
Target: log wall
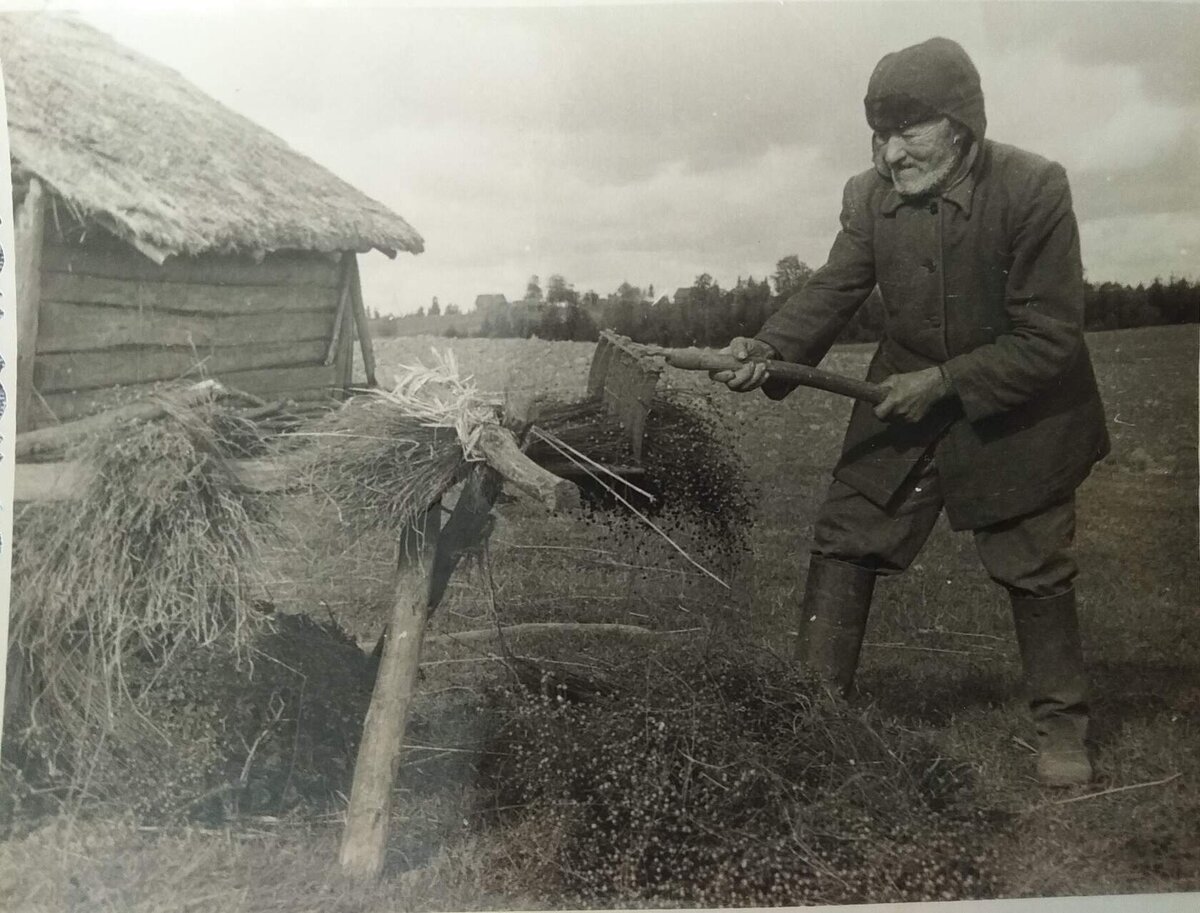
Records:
x=113, y=325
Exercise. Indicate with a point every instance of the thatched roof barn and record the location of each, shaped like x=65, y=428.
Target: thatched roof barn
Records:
x=163, y=235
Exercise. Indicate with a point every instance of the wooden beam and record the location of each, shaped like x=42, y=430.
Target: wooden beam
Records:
x=364, y=327
x=499, y=447
x=50, y=481
x=345, y=355
x=28, y=229
x=364, y=840
x=46, y=440
x=69, y=480
x=469, y=525
x=68, y=326
x=186, y=298
x=114, y=260
x=339, y=321
x=295, y=382
x=546, y=627
x=82, y=371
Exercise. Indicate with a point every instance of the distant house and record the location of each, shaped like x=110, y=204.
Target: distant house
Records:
x=160, y=235
x=663, y=301
x=683, y=295
x=486, y=303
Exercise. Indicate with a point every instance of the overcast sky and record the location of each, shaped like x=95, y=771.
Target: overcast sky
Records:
x=653, y=143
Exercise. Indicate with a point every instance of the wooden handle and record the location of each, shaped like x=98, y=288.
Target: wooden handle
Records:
x=700, y=360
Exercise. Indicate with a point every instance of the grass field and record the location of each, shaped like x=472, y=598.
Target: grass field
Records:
x=940, y=660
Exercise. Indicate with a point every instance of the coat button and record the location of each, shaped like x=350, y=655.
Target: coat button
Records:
x=933, y=207
x=928, y=265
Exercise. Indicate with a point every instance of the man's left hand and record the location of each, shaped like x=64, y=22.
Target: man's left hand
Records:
x=911, y=396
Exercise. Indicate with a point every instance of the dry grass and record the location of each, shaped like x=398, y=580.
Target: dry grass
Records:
x=274, y=867
x=385, y=456
x=159, y=555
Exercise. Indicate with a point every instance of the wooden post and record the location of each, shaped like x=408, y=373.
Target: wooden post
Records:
x=420, y=585
x=364, y=841
x=346, y=351
x=29, y=225
x=360, y=321
x=343, y=307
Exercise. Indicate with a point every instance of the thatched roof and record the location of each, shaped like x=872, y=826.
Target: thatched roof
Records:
x=131, y=146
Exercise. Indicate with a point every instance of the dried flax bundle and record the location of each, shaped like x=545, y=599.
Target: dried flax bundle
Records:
x=387, y=455
x=159, y=554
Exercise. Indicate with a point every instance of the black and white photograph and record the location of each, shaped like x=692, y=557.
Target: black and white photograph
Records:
x=600, y=456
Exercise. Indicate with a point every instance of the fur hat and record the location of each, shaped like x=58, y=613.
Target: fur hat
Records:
x=926, y=81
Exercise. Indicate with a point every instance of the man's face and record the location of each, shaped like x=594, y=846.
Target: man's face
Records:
x=919, y=157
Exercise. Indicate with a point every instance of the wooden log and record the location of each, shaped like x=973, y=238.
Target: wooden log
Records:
x=339, y=321
x=364, y=327
x=364, y=840
x=50, y=481
x=67, y=326
x=546, y=627
x=185, y=298
x=304, y=382
x=470, y=523
x=499, y=447
x=69, y=480
x=28, y=229
x=45, y=440
x=81, y=371
x=113, y=260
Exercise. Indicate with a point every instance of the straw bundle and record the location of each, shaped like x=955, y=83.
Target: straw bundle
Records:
x=385, y=456
x=159, y=554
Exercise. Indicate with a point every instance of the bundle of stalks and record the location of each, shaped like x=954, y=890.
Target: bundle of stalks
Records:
x=159, y=554
x=386, y=455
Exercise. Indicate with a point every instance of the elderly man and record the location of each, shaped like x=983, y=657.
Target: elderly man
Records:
x=992, y=411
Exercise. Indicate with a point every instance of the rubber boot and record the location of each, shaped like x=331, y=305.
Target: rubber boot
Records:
x=1048, y=637
x=833, y=619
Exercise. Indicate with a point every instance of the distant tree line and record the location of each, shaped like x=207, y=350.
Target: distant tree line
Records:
x=704, y=314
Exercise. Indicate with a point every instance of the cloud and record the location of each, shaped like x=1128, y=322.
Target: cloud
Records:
x=652, y=143
x=1139, y=248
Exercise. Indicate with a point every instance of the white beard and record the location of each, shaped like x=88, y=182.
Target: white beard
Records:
x=926, y=182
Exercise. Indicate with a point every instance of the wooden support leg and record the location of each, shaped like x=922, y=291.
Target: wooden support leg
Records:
x=364, y=841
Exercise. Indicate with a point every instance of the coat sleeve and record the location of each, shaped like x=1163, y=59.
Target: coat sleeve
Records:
x=1043, y=303
x=803, y=330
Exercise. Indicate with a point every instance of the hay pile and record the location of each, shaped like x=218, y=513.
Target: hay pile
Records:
x=724, y=777
x=160, y=555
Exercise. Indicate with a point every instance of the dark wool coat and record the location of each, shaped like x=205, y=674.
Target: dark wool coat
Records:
x=986, y=280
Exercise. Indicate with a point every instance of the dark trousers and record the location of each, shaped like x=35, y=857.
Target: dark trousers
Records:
x=1028, y=555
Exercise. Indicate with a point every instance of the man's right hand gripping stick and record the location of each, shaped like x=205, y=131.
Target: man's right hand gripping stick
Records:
x=718, y=363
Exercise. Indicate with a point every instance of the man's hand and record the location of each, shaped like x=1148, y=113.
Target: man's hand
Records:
x=749, y=376
x=910, y=396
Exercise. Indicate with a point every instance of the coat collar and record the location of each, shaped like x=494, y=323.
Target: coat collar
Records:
x=961, y=193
